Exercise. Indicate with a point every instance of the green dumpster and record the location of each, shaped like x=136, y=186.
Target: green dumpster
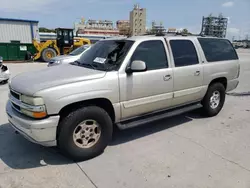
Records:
x=15, y=51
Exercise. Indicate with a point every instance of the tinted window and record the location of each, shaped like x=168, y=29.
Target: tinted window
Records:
x=184, y=53
x=217, y=49
x=152, y=53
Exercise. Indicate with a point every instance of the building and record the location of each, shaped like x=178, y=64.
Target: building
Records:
x=96, y=27
x=241, y=43
x=123, y=26
x=137, y=21
x=214, y=26
x=18, y=31
x=157, y=28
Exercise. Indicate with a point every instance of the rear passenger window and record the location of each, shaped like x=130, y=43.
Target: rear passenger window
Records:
x=152, y=53
x=184, y=53
x=218, y=49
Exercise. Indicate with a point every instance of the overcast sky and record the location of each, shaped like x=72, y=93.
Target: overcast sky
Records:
x=173, y=13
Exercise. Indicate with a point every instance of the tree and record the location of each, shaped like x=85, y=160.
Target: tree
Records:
x=186, y=32
x=46, y=30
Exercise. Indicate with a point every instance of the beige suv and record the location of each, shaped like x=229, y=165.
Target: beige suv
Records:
x=123, y=82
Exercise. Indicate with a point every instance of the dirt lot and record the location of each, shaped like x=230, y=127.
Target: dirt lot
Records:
x=183, y=151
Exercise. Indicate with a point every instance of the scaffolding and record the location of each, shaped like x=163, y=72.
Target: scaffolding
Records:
x=214, y=26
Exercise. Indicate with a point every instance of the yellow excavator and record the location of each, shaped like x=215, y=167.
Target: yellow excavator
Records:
x=65, y=42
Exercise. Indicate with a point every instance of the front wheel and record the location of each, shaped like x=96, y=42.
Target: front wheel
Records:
x=214, y=99
x=85, y=133
x=47, y=54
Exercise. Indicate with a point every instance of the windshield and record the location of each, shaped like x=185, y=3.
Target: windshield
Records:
x=106, y=55
x=79, y=50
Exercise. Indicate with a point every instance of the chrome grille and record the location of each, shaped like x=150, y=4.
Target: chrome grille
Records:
x=16, y=106
x=15, y=95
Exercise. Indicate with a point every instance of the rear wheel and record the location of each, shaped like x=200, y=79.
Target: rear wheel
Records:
x=85, y=133
x=48, y=53
x=214, y=99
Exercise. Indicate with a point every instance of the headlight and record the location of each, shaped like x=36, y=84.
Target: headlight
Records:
x=35, y=101
x=34, y=107
x=54, y=63
x=57, y=62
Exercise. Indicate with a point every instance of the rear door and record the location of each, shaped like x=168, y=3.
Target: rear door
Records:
x=188, y=72
x=221, y=60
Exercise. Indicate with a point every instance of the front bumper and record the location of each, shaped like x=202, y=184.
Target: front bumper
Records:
x=41, y=132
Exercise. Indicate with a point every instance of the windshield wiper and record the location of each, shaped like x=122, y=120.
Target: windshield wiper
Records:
x=75, y=63
x=87, y=65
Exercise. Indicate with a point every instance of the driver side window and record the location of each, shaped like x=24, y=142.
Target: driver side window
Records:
x=152, y=53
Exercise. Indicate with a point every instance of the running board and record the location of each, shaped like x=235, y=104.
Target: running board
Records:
x=157, y=116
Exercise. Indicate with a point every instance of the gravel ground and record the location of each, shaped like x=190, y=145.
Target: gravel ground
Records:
x=183, y=151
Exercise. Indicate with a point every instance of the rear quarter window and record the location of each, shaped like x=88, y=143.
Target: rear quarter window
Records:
x=217, y=49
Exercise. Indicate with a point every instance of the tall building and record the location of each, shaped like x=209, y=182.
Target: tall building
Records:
x=123, y=26
x=214, y=26
x=137, y=21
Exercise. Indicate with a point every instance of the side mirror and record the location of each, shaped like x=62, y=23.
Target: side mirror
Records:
x=137, y=66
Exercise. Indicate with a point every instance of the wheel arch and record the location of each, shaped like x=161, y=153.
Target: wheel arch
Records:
x=103, y=103
x=222, y=80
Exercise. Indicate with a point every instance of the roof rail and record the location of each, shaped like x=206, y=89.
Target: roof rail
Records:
x=173, y=34
x=179, y=34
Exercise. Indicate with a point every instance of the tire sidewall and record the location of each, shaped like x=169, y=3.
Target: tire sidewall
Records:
x=68, y=126
x=44, y=54
x=206, y=101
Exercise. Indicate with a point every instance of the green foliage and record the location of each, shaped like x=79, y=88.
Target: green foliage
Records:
x=186, y=32
x=46, y=30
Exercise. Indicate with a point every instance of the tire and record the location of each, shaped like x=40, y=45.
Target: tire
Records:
x=209, y=109
x=69, y=125
x=47, y=54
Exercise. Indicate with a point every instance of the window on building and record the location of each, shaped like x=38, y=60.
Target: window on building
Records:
x=218, y=49
x=152, y=53
x=184, y=53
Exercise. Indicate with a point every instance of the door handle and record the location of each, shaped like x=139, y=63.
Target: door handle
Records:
x=197, y=73
x=167, y=77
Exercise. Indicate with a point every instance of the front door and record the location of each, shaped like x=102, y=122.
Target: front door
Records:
x=188, y=72
x=144, y=92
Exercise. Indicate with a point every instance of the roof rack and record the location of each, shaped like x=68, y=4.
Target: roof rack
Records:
x=178, y=34
x=174, y=34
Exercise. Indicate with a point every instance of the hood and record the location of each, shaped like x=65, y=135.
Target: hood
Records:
x=32, y=82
